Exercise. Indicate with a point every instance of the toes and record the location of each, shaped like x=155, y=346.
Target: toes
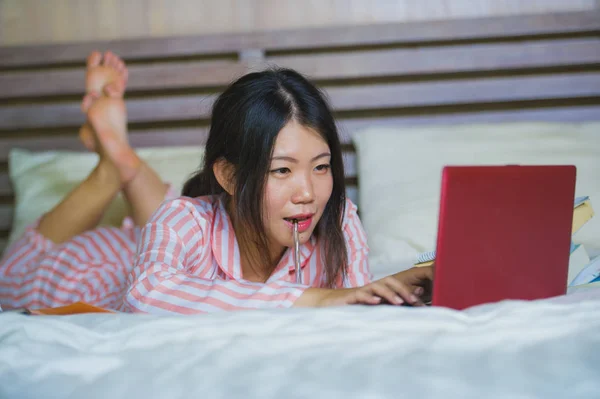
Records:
x=119, y=65
x=94, y=59
x=108, y=58
x=125, y=75
x=88, y=100
x=110, y=79
x=122, y=70
x=112, y=60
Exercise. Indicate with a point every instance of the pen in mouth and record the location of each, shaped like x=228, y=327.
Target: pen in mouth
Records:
x=297, y=252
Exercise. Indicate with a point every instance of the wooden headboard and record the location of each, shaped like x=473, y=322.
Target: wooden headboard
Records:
x=538, y=67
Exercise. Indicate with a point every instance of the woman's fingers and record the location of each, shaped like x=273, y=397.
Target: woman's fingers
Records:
x=404, y=291
x=364, y=295
x=387, y=292
x=396, y=290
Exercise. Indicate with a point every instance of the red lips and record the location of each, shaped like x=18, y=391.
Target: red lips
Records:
x=304, y=221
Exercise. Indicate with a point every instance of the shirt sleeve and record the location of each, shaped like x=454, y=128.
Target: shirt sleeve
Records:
x=172, y=243
x=359, y=272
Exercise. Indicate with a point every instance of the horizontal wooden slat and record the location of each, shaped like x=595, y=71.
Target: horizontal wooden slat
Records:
x=443, y=60
x=363, y=64
x=571, y=114
x=3, y=244
x=70, y=142
x=471, y=92
x=6, y=214
x=5, y=187
x=172, y=108
x=413, y=32
x=197, y=136
x=347, y=98
x=141, y=77
x=41, y=115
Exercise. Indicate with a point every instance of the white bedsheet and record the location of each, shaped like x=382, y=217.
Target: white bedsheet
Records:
x=540, y=349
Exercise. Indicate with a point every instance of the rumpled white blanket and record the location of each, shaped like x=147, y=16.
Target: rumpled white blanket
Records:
x=512, y=349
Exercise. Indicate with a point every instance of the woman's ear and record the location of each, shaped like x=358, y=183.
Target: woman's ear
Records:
x=223, y=171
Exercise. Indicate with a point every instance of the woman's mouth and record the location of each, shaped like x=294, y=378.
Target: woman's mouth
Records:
x=304, y=222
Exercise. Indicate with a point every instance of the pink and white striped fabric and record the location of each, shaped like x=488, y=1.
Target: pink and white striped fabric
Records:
x=91, y=267
x=188, y=262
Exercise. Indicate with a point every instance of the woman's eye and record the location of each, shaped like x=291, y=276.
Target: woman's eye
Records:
x=323, y=167
x=281, y=171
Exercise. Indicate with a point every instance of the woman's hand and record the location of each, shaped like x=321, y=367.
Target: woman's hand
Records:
x=397, y=289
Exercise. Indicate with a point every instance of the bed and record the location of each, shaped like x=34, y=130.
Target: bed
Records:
x=509, y=89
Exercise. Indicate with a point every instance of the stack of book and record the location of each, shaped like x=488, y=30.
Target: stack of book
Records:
x=582, y=270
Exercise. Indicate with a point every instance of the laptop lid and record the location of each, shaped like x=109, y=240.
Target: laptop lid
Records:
x=504, y=232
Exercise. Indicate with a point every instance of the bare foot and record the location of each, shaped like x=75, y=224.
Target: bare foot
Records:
x=108, y=124
x=105, y=74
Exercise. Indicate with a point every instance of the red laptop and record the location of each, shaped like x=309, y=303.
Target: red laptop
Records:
x=504, y=233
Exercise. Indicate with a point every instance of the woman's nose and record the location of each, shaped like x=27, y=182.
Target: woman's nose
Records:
x=304, y=191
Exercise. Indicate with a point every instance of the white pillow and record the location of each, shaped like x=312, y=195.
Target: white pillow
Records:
x=400, y=175
x=42, y=179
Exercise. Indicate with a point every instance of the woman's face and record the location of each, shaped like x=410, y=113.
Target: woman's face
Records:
x=298, y=186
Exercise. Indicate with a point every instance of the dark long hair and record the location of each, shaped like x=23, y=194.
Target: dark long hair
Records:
x=246, y=119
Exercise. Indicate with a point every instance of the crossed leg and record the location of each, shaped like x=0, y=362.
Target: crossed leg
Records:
x=118, y=168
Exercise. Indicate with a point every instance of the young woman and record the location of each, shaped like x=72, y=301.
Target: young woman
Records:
x=273, y=155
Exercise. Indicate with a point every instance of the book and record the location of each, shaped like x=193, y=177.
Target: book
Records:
x=582, y=213
x=582, y=287
x=587, y=274
x=425, y=259
x=74, y=308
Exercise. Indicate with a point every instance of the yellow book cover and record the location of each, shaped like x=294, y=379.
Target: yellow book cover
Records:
x=582, y=213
